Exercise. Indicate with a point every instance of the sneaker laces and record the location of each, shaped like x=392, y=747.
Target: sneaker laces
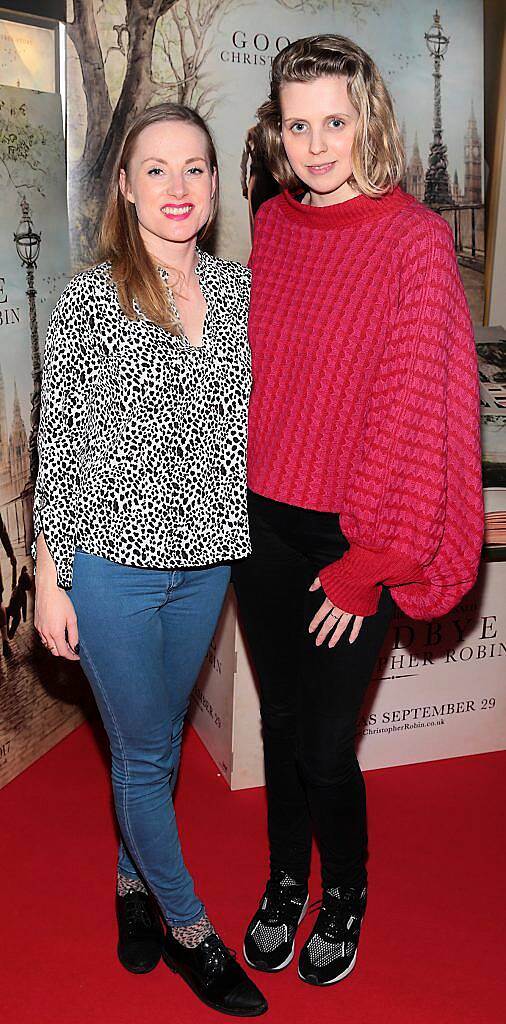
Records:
x=336, y=910
x=280, y=904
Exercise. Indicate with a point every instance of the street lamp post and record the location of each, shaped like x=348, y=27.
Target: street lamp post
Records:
x=28, y=247
x=437, y=182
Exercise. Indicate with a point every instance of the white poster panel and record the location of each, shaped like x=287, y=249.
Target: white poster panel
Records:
x=212, y=702
x=247, y=748
x=439, y=688
x=225, y=709
x=27, y=56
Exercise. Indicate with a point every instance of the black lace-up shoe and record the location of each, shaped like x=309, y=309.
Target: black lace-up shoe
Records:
x=330, y=952
x=140, y=932
x=270, y=937
x=212, y=972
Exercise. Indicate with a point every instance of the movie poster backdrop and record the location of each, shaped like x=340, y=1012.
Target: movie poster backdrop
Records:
x=215, y=55
x=39, y=695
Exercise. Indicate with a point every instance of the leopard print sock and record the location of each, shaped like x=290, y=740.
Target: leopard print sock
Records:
x=191, y=935
x=125, y=885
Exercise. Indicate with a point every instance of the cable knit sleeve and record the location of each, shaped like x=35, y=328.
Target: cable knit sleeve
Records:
x=62, y=431
x=413, y=509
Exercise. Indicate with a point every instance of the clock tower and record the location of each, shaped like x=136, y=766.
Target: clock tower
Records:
x=472, y=162
x=415, y=181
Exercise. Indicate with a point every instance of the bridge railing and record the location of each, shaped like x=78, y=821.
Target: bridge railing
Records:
x=467, y=221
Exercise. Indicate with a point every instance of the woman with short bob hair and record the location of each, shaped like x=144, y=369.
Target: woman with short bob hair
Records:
x=377, y=154
x=140, y=506
x=364, y=468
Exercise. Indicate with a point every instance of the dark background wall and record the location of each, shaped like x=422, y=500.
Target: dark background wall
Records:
x=39, y=8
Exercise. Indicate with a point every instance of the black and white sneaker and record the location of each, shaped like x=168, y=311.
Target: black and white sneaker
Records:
x=330, y=953
x=270, y=936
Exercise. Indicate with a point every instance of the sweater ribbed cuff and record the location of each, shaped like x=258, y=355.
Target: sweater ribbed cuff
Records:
x=354, y=582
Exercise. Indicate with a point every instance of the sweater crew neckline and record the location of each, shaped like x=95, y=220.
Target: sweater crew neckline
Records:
x=353, y=211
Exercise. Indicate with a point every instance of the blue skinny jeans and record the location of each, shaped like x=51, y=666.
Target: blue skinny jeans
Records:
x=143, y=634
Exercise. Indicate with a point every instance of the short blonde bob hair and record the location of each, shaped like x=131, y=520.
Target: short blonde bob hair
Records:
x=377, y=156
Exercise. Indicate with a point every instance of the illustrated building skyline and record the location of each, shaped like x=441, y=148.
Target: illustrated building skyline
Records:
x=456, y=193
x=5, y=473
x=472, y=161
x=19, y=452
x=415, y=175
x=14, y=451
x=414, y=178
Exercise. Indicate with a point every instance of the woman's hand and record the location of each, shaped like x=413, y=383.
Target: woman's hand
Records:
x=55, y=619
x=333, y=618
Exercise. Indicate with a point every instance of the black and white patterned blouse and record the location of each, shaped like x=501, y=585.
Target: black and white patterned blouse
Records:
x=142, y=440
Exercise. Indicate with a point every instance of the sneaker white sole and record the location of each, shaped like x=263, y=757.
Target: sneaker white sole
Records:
x=332, y=981
x=272, y=970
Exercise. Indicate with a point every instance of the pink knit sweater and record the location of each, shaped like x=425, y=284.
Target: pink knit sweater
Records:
x=365, y=398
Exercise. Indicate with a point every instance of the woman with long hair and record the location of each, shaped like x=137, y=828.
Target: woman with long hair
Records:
x=140, y=507
x=363, y=468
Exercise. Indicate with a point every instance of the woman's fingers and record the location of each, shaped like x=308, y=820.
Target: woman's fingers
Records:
x=73, y=635
x=321, y=614
x=341, y=626
x=325, y=630
x=330, y=622
x=50, y=642
x=357, y=626
x=64, y=648
x=333, y=618
x=315, y=584
x=56, y=643
x=56, y=621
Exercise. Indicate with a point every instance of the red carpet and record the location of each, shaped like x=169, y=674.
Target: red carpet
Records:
x=432, y=947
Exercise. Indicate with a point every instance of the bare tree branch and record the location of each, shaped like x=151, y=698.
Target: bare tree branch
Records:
x=312, y=6
x=83, y=33
x=20, y=184
x=185, y=45
x=196, y=34
x=192, y=23
x=138, y=85
x=120, y=31
x=165, y=47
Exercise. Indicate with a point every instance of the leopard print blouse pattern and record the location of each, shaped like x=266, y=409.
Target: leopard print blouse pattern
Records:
x=142, y=440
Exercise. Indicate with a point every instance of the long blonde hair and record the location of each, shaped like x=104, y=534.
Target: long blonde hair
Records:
x=377, y=155
x=133, y=270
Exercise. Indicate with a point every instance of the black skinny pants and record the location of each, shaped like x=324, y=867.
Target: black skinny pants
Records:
x=310, y=696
